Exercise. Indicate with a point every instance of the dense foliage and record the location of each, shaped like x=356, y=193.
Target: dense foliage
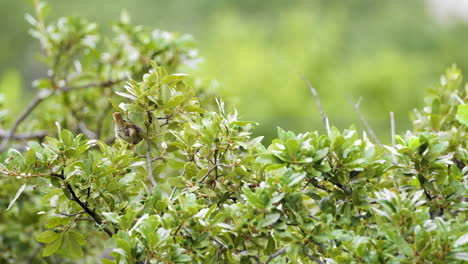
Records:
x=255, y=49
x=198, y=187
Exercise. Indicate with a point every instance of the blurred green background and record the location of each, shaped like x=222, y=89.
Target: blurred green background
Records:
x=386, y=52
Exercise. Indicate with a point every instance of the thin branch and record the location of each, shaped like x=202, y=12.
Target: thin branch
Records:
x=208, y=174
x=86, y=131
x=392, y=127
x=319, y=105
x=217, y=242
x=71, y=215
x=363, y=120
x=41, y=96
x=148, y=153
x=158, y=158
x=312, y=257
x=274, y=255
x=24, y=136
x=22, y=175
x=90, y=212
x=257, y=259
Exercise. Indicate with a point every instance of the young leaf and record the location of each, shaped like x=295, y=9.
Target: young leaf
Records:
x=462, y=114
x=47, y=236
x=269, y=220
x=17, y=195
x=52, y=247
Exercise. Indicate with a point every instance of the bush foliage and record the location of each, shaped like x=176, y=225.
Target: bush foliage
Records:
x=197, y=187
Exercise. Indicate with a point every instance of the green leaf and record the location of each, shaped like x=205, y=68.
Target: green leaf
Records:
x=401, y=243
x=47, y=236
x=175, y=101
x=175, y=164
x=268, y=159
x=116, y=106
x=111, y=216
x=269, y=220
x=296, y=178
x=57, y=221
x=292, y=146
x=17, y=195
x=78, y=237
x=320, y=154
x=30, y=157
x=462, y=114
x=182, y=258
x=67, y=138
x=52, y=247
x=252, y=198
x=176, y=182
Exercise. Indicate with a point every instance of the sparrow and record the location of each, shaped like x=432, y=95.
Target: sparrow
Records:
x=127, y=131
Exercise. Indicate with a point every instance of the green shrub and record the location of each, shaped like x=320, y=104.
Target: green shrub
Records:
x=198, y=187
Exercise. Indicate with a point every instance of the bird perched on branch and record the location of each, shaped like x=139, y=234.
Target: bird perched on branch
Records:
x=127, y=131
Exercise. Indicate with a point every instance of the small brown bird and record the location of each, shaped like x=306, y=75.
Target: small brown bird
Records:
x=127, y=131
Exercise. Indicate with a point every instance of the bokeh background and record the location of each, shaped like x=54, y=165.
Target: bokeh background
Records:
x=387, y=52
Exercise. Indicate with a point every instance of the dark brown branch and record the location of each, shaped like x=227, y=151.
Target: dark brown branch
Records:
x=364, y=121
x=208, y=174
x=319, y=105
x=90, y=212
x=84, y=206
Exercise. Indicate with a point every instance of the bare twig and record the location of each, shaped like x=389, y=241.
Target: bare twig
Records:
x=86, y=131
x=319, y=105
x=363, y=120
x=24, y=136
x=41, y=96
